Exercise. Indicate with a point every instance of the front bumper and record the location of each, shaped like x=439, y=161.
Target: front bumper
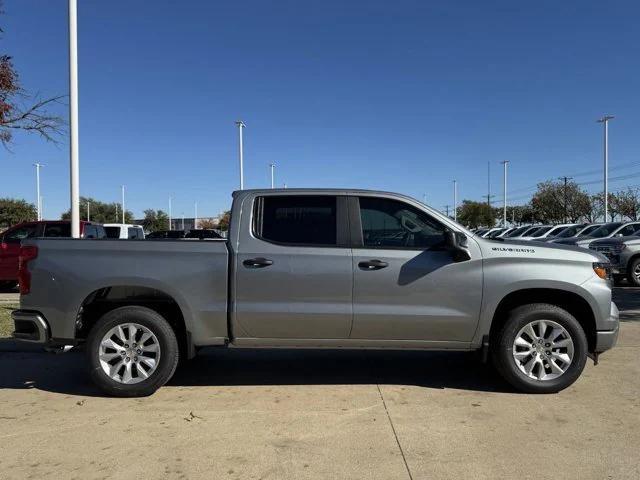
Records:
x=606, y=339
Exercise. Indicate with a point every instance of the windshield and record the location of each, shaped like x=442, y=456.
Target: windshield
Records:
x=541, y=231
x=605, y=230
x=112, y=232
x=517, y=232
x=571, y=231
x=589, y=229
x=556, y=230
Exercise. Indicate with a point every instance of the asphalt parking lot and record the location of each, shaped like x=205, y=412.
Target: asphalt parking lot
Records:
x=323, y=414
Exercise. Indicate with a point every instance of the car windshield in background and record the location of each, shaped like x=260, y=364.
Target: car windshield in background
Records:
x=516, y=232
x=571, y=231
x=605, y=230
x=112, y=232
x=540, y=232
x=557, y=230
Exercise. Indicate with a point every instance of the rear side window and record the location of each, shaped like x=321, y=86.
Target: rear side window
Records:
x=26, y=231
x=389, y=223
x=297, y=219
x=134, y=233
x=57, y=230
x=112, y=232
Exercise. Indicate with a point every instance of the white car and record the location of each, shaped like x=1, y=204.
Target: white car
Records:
x=124, y=231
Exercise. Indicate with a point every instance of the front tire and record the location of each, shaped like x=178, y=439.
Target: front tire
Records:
x=633, y=273
x=541, y=348
x=132, y=351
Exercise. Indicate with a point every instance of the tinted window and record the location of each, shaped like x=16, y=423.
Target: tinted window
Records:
x=297, y=220
x=90, y=231
x=393, y=224
x=57, y=230
x=517, y=232
x=589, y=229
x=569, y=232
x=627, y=230
x=112, y=232
x=540, y=232
x=26, y=231
x=134, y=233
x=605, y=230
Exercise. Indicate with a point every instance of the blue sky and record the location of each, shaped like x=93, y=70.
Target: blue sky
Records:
x=402, y=96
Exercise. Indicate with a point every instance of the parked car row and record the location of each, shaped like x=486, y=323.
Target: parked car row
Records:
x=11, y=238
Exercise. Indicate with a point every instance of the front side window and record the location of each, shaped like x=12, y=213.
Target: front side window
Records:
x=393, y=224
x=90, y=231
x=26, y=231
x=297, y=219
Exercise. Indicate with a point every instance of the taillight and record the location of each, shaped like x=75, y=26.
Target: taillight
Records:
x=27, y=253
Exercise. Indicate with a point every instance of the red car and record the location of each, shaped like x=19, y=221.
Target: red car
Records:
x=10, y=242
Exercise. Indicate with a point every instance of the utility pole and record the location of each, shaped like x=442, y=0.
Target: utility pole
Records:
x=272, y=166
x=183, y=221
x=116, y=211
x=446, y=207
x=170, y=222
x=489, y=196
x=240, y=125
x=455, y=200
x=123, y=209
x=195, y=216
x=504, y=213
x=88, y=216
x=74, y=167
x=605, y=121
x=38, y=200
x=566, y=202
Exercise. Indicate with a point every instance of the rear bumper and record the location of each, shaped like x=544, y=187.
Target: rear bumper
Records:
x=606, y=339
x=30, y=327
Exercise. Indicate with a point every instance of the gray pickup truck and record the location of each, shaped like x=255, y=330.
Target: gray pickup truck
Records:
x=623, y=254
x=316, y=268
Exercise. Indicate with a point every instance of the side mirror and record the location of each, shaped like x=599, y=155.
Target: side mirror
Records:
x=458, y=244
x=619, y=235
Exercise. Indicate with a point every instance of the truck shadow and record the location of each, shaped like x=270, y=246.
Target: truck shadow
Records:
x=627, y=299
x=65, y=373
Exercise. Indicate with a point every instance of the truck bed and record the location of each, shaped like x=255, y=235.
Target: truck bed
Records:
x=67, y=272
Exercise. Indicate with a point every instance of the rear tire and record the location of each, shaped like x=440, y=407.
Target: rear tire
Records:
x=547, y=358
x=123, y=368
x=633, y=273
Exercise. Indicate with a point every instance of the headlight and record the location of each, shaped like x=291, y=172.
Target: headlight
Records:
x=603, y=270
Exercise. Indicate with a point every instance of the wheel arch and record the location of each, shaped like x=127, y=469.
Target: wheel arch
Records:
x=107, y=298
x=570, y=301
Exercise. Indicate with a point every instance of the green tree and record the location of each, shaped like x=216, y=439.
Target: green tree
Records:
x=476, y=214
x=14, y=211
x=627, y=203
x=224, y=221
x=558, y=202
x=100, y=212
x=155, y=220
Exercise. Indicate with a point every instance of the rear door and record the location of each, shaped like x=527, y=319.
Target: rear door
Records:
x=10, y=249
x=406, y=283
x=293, y=273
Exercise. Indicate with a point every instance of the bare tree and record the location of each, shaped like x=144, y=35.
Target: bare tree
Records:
x=627, y=203
x=20, y=110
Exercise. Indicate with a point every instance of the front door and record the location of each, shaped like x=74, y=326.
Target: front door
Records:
x=293, y=275
x=407, y=285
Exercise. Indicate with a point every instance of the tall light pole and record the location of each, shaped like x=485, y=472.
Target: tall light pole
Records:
x=183, y=221
x=272, y=166
x=88, y=215
x=170, y=223
x=38, y=198
x=605, y=121
x=195, y=216
x=240, y=125
x=116, y=211
x=74, y=161
x=123, y=209
x=504, y=192
x=455, y=200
